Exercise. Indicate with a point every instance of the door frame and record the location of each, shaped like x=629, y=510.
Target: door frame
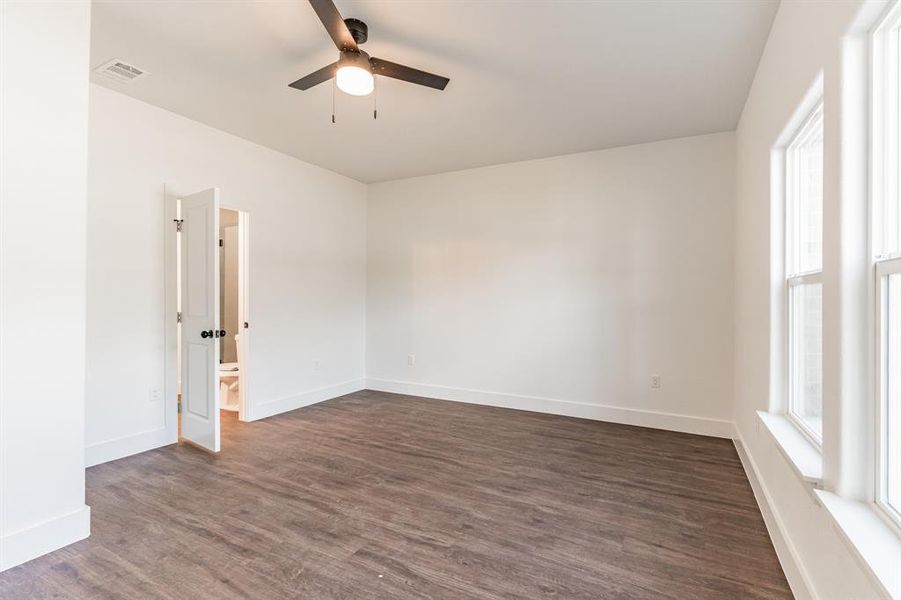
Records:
x=171, y=289
x=171, y=292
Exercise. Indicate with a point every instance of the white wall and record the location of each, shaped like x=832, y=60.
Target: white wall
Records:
x=44, y=50
x=307, y=268
x=562, y=284
x=805, y=40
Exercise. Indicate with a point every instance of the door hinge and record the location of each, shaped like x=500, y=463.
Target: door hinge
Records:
x=178, y=317
x=178, y=224
x=221, y=243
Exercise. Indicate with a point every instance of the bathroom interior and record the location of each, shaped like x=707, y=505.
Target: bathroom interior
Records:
x=229, y=350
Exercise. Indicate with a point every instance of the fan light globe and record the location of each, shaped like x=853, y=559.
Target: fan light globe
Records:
x=355, y=81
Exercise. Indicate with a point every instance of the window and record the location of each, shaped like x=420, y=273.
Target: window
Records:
x=886, y=166
x=889, y=303
x=804, y=274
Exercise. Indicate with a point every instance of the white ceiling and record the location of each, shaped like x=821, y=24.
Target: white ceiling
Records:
x=529, y=78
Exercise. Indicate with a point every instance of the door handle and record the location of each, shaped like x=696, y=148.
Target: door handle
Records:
x=206, y=334
x=222, y=333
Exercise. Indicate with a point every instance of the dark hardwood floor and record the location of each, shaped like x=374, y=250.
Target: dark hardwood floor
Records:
x=376, y=495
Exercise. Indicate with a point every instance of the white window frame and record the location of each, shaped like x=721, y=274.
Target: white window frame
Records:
x=884, y=269
x=793, y=276
x=885, y=47
x=885, y=148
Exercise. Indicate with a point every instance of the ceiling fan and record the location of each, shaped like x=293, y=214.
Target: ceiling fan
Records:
x=354, y=69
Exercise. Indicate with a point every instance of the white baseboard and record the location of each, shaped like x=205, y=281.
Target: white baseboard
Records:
x=597, y=412
x=274, y=407
x=128, y=445
x=798, y=579
x=26, y=544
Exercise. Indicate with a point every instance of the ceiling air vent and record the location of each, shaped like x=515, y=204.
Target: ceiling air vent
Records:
x=120, y=70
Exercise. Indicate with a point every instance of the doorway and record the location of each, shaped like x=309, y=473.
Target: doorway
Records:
x=211, y=304
x=231, y=292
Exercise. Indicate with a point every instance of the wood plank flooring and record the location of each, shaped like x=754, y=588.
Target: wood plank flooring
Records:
x=376, y=495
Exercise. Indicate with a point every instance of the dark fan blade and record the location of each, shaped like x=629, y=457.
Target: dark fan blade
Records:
x=334, y=24
x=390, y=69
x=315, y=78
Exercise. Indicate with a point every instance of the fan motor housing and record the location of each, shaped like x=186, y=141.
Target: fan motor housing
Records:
x=358, y=30
x=350, y=58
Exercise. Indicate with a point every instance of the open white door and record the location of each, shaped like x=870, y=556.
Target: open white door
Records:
x=200, y=319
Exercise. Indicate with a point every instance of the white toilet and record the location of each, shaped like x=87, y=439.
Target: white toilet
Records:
x=229, y=380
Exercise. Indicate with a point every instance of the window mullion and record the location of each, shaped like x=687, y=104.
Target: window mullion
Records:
x=888, y=266
x=811, y=277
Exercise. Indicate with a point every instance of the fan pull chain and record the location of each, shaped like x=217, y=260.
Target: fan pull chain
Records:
x=334, y=85
x=375, y=98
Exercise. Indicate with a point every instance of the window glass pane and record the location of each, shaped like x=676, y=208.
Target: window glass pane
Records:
x=811, y=200
x=806, y=372
x=892, y=406
x=886, y=137
x=804, y=194
x=893, y=155
x=892, y=149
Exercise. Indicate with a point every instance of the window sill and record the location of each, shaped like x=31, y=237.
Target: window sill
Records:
x=875, y=543
x=803, y=456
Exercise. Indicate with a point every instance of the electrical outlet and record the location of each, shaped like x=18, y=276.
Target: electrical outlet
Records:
x=411, y=359
x=655, y=382
x=155, y=394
